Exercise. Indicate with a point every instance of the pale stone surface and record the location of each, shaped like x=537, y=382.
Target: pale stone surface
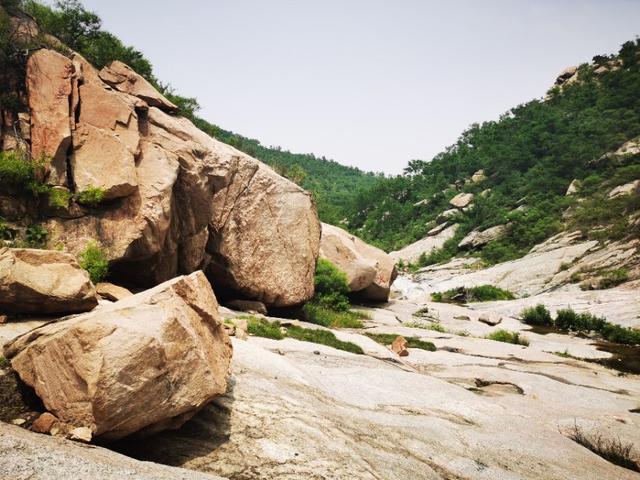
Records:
x=43, y=281
x=411, y=253
x=573, y=188
x=462, y=200
x=25, y=455
x=48, y=81
x=365, y=418
x=124, y=79
x=370, y=271
x=142, y=364
x=446, y=215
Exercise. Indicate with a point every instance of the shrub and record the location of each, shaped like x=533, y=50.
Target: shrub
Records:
x=323, y=337
x=59, y=197
x=613, y=450
x=15, y=170
x=482, y=293
x=94, y=260
x=6, y=232
x=320, y=315
x=263, y=328
x=412, y=342
x=91, y=196
x=538, y=315
x=613, y=277
x=36, y=236
x=508, y=337
x=331, y=288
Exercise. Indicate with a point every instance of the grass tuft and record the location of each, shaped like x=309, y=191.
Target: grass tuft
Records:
x=538, y=315
x=508, y=337
x=613, y=450
x=327, y=317
x=412, y=342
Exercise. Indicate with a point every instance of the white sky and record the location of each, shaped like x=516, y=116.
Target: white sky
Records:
x=368, y=83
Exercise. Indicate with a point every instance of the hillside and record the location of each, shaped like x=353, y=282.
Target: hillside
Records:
x=334, y=186
x=523, y=165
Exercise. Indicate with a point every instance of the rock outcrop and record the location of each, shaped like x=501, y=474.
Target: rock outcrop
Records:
x=626, y=189
x=143, y=364
x=478, y=238
x=177, y=200
x=462, y=200
x=370, y=271
x=48, y=81
x=411, y=253
x=43, y=281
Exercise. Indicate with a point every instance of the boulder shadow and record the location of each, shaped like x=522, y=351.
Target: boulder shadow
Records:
x=199, y=437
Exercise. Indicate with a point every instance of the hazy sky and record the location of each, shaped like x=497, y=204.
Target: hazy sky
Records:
x=368, y=83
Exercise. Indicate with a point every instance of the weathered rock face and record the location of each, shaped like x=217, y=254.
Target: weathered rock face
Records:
x=144, y=364
x=462, y=200
x=435, y=240
x=185, y=201
x=478, y=238
x=123, y=78
x=49, y=85
x=370, y=271
x=112, y=292
x=43, y=281
x=626, y=189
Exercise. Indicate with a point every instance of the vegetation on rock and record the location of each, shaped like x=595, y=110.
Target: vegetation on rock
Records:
x=261, y=327
x=94, y=260
x=91, y=196
x=613, y=450
x=508, y=337
x=481, y=293
x=569, y=320
x=412, y=342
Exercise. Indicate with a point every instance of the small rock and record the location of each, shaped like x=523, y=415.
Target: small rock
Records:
x=316, y=352
x=111, y=292
x=18, y=421
x=3, y=319
x=44, y=423
x=462, y=200
x=399, y=346
x=490, y=319
x=81, y=434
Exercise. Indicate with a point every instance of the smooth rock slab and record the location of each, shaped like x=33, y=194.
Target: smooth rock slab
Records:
x=148, y=362
x=43, y=281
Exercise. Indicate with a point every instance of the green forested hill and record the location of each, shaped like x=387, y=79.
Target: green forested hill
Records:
x=333, y=185
x=530, y=156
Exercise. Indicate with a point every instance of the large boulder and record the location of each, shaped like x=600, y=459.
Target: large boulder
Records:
x=43, y=281
x=48, y=80
x=185, y=200
x=146, y=363
x=370, y=271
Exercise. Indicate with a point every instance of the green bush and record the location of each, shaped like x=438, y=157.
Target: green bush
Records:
x=6, y=232
x=59, y=197
x=91, y=196
x=15, y=170
x=412, y=342
x=538, y=315
x=94, y=260
x=320, y=315
x=331, y=287
x=508, y=337
x=36, y=236
x=482, y=293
